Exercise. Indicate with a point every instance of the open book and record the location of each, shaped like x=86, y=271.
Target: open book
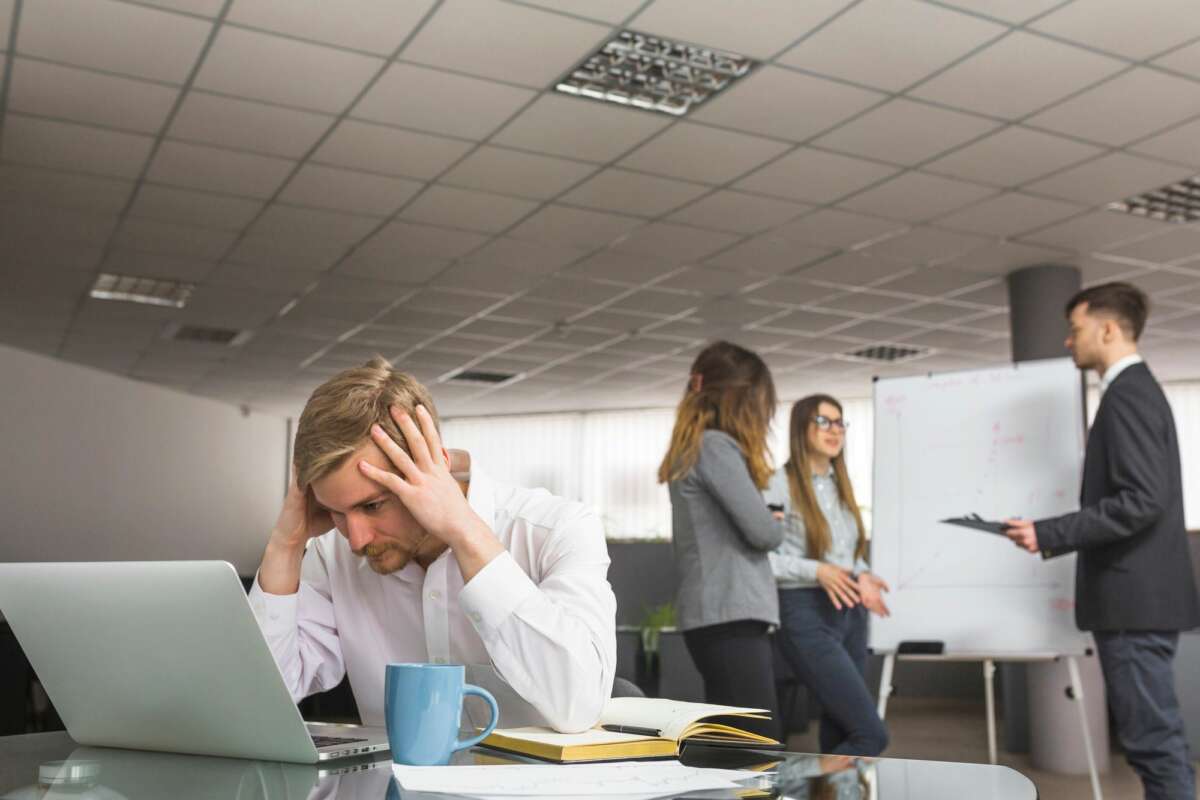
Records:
x=674, y=721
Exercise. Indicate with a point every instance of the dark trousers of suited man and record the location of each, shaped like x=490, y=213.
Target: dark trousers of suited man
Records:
x=1134, y=587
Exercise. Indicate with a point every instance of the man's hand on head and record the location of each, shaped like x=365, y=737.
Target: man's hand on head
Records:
x=301, y=518
x=429, y=491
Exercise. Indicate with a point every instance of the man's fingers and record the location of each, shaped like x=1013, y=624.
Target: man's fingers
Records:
x=388, y=480
x=394, y=452
x=432, y=438
x=416, y=442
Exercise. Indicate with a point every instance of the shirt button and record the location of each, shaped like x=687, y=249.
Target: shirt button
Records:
x=434, y=595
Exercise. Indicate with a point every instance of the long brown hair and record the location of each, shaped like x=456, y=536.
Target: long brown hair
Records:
x=729, y=389
x=816, y=528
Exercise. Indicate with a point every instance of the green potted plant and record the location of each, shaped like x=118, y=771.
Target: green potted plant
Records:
x=654, y=619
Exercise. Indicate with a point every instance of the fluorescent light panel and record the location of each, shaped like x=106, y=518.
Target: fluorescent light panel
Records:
x=1177, y=202
x=148, y=291
x=653, y=73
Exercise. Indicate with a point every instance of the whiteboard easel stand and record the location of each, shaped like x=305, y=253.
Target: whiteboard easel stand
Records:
x=989, y=675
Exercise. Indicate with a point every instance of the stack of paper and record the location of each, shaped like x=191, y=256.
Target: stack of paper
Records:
x=624, y=780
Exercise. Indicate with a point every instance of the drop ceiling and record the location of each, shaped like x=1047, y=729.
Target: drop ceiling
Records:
x=345, y=179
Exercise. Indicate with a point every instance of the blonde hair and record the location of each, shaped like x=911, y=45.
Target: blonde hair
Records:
x=337, y=418
x=729, y=389
x=818, y=538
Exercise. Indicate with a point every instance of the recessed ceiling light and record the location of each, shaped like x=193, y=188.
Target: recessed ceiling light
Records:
x=653, y=73
x=478, y=376
x=203, y=334
x=890, y=353
x=148, y=291
x=1177, y=202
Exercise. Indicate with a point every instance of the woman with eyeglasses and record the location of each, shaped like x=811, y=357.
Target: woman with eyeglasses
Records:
x=716, y=466
x=825, y=585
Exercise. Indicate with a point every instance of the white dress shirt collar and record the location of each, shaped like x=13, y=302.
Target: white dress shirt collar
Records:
x=1116, y=369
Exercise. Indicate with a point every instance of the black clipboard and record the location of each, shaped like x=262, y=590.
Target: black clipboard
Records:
x=978, y=523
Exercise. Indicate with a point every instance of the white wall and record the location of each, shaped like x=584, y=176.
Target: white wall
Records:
x=97, y=467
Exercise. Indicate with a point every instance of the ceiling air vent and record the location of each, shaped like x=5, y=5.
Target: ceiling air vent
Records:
x=888, y=353
x=653, y=73
x=1177, y=202
x=199, y=334
x=148, y=291
x=479, y=376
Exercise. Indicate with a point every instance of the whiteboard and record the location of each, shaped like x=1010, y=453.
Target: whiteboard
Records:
x=1000, y=442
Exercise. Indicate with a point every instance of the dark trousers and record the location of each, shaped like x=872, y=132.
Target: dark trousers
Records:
x=1140, y=681
x=738, y=668
x=827, y=649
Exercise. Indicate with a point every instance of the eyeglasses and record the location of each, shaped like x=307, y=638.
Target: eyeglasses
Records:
x=825, y=423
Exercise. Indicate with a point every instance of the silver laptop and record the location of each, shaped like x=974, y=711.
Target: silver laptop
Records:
x=163, y=655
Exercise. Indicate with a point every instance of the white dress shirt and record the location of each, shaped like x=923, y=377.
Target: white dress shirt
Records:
x=536, y=627
x=1116, y=369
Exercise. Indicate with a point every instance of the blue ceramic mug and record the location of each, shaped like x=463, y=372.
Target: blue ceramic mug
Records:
x=422, y=705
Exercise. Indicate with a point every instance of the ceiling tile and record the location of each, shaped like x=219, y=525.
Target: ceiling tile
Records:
x=574, y=290
x=633, y=193
x=400, y=269
x=60, y=145
x=1001, y=258
x=1185, y=59
x=937, y=313
x=933, y=37
x=709, y=281
x=723, y=24
x=915, y=197
x=524, y=255
x=112, y=36
x=1180, y=144
x=491, y=39
x=6, y=13
x=538, y=311
x=60, y=225
x=790, y=291
x=286, y=281
x=168, y=204
x=904, y=132
x=285, y=222
x=852, y=269
x=157, y=265
x=738, y=212
x=576, y=227
x=613, y=266
x=1176, y=243
x=1131, y=106
x=1009, y=214
x=203, y=8
x=865, y=302
x=1124, y=28
x=836, y=228
x=806, y=322
x=1022, y=73
x=50, y=90
x=1168, y=286
x=442, y=205
x=245, y=125
x=43, y=187
x=376, y=26
x=768, y=254
x=1107, y=179
x=377, y=148
x=399, y=240
x=778, y=102
x=187, y=241
x=515, y=173
x=657, y=302
x=877, y=330
x=309, y=252
x=1094, y=231
x=922, y=245
x=697, y=153
x=674, y=244
x=198, y=167
x=439, y=102
x=1007, y=10
x=30, y=249
x=609, y=11
x=946, y=340
x=933, y=281
x=343, y=190
x=485, y=277
x=814, y=176
x=579, y=128
x=285, y=71
x=1012, y=156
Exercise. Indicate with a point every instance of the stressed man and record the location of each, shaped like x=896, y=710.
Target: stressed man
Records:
x=1134, y=587
x=383, y=554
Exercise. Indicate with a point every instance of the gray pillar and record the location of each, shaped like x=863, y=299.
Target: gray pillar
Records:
x=1037, y=297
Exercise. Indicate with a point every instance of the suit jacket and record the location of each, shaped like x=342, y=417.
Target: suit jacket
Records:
x=1134, y=571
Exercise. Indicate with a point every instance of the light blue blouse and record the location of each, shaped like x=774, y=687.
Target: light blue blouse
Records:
x=790, y=562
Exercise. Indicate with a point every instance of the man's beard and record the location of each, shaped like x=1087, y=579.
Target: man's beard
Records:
x=377, y=553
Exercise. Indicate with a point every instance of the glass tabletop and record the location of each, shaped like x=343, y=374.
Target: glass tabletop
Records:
x=51, y=766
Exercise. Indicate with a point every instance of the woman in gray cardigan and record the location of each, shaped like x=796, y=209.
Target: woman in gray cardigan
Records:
x=716, y=467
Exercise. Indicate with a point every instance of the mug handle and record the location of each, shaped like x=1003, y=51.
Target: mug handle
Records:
x=491, y=701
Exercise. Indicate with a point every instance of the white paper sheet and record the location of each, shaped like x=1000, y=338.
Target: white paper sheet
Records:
x=619, y=779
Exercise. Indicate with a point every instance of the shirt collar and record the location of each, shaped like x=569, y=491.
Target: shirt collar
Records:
x=1117, y=368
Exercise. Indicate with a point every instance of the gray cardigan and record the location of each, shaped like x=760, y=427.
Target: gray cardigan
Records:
x=721, y=533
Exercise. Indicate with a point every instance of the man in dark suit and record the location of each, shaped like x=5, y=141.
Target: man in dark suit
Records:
x=1134, y=587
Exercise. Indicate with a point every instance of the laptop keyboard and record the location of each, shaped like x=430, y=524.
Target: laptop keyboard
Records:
x=329, y=741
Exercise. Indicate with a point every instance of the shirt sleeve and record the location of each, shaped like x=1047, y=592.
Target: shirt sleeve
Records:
x=552, y=639
x=787, y=567
x=723, y=469
x=300, y=629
